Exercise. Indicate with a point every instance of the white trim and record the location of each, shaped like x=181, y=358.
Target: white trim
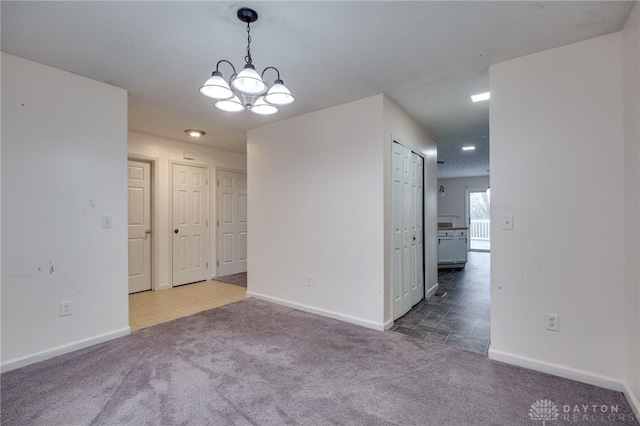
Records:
x=61, y=350
x=322, y=312
x=632, y=399
x=432, y=291
x=557, y=370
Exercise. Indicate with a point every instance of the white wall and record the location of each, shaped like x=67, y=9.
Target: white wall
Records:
x=454, y=200
x=318, y=186
x=557, y=166
x=632, y=195
x=162, y=153
x=63, y=167
x=316, y=208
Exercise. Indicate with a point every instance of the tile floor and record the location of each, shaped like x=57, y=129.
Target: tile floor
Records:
x=461, y=318
x=154, y=307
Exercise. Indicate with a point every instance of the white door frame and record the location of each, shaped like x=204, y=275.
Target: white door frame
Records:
x=153, y=161
x=214, y=215
x=395, y=139
x=170, y=208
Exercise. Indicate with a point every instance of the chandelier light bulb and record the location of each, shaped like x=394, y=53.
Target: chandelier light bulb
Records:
x=230, y=105
x=249, y=81
x=215, y=87
x=263, y=108
x=279, y=94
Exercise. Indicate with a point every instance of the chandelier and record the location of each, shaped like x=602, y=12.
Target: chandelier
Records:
x=247, y=89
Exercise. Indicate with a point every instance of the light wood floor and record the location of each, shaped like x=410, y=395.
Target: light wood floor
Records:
x=154, y=307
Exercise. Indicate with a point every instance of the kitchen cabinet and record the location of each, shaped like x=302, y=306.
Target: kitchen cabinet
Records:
x=452, y=247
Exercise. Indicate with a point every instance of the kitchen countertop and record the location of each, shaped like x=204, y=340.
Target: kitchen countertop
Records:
x=452, y=229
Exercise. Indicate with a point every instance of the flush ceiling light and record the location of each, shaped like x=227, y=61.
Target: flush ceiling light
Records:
x=247, y=89
x=195, y=133
x=481, y=97
x=468, y=148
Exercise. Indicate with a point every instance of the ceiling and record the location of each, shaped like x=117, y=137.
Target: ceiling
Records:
x=428, y=56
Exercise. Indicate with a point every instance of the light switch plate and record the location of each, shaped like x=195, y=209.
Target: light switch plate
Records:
x=106, y=221
x=507, y=222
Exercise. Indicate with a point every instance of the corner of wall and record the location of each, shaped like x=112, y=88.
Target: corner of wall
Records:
x=631, y=83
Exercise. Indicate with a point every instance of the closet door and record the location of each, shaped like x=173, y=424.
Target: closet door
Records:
x=407, y=210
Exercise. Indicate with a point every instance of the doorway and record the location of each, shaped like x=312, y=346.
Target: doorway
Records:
x=190, y=236
x=139, y=225
x=407, y=216
x=479, y=214
x=232, y=223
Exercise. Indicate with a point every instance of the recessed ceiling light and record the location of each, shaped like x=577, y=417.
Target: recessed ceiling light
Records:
x=195, y=133
x=481, y=97
x=468, y=148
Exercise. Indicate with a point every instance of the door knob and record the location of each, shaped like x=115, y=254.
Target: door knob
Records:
x=175, y=231
x=147, y=231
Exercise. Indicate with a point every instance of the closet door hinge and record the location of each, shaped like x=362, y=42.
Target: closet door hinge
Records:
x=207, y=265
x=217, y=263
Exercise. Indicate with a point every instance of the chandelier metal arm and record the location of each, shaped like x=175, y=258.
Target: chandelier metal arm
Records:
x=224, y=60
x=273, y=68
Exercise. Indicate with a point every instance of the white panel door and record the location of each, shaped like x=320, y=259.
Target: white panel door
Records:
x=407, y=219
x=398, y=234
x=232, y=222
x=190, y=224
x=139, y=205
x=417, y=245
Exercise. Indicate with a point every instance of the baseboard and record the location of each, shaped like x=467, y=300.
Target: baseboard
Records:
x=557, y=370
x=432, y=291
x=388, y=324
x=322, y=312
x=632, y=399
x=61, y=350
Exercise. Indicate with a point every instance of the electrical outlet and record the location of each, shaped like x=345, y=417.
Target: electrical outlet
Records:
x=309, y=281
x=553, y=322
x=65, y=308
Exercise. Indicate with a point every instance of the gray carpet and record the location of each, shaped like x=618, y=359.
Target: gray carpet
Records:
x=255, y=363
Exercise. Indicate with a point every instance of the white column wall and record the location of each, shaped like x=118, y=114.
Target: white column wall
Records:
x=316, y=209
x=557, y=167
x=163, y=152
x=64, y=144
x=402, y=127
x=631, y=82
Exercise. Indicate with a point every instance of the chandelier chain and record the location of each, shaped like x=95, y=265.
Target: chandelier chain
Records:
x=248, y=57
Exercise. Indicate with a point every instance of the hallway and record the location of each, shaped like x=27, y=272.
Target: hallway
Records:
x=459, y=319
x=149, y=308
